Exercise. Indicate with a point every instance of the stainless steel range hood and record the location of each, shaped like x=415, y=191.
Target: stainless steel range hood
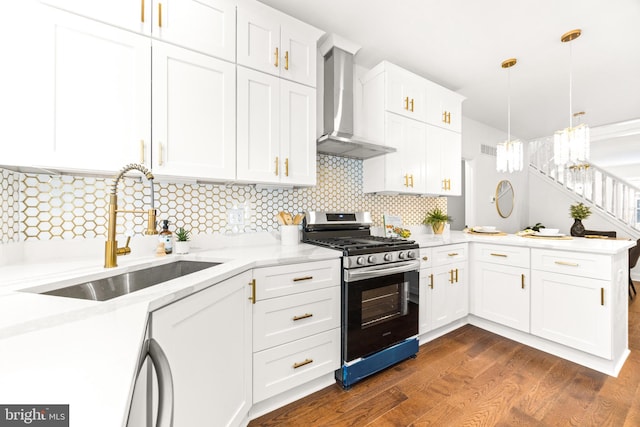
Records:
x=338, y=138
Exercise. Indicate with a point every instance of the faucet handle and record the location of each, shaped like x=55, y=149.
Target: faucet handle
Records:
x=126, y=250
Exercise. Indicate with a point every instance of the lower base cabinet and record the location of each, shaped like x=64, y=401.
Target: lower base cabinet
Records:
x=207, y=340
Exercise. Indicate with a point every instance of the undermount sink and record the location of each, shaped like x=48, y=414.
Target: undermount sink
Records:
x=125, y=283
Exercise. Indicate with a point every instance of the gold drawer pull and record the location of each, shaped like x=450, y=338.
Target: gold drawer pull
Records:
x=453, y=254
x=411, y=105
x=277, y=55
x=300, y=279
x=406, y=103
x=522, y=275
x=570, y=264
x=253, y=291
x=425, y=258
x=601, y=296
x=456, y=275
x=300, y=364
x=431, y=281
x=304, y=316
x=450, y=276
x=500, y=255
x=286, y=60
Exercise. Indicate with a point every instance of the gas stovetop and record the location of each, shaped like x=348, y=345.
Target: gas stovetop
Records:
x=350, y=233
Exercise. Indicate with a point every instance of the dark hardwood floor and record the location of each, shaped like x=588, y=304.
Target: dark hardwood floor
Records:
x=471, y=377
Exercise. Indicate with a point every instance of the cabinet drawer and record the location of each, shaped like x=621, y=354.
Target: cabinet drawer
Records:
x=280, y=320
x=449, y=253
x=281, y=368
x=291, y=279
x=501, y=254
x=574, y=263
x=426, y=258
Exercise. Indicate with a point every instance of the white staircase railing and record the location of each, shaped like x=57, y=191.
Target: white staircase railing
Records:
x=597, y=187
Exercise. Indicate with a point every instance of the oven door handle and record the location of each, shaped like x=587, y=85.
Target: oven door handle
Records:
x=376, y=271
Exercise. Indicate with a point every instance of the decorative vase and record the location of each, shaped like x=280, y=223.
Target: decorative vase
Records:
x=577, y=229
x=181, y=247
x=438, y=227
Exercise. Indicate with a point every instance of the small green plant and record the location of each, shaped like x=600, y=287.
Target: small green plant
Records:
x=579, y=211
x=536, y=227
x=436, y=216
x=183, y=235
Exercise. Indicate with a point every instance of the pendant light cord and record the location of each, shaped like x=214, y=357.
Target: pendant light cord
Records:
x=509, y=105
x=570, y=86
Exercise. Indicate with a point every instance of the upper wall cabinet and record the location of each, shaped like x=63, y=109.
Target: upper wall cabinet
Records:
x=429, y=159
x=94, y=101
x=207, y=26
x=276, y=130
x=277, y=44
x=193, y=109
x=444, y=108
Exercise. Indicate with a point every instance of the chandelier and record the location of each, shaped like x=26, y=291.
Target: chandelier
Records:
x=509, y=153
x=571, y=145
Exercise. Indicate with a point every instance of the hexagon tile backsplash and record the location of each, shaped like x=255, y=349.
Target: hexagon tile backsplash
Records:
x=43, y=207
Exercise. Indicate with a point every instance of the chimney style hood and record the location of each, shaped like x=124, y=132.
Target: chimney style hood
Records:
x=338, y=138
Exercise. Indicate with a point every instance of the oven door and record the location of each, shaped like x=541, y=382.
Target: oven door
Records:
x=380, y=307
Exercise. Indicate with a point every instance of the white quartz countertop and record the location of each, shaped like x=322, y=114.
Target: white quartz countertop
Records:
x=57, y=350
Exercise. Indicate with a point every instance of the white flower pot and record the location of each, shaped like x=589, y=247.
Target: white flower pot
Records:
x=181, y=247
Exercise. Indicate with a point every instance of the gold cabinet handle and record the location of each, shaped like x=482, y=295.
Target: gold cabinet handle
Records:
x=444, y=184
x=425, y=258
x=142, y=151
x=406, y=103
x=522, y=280
x=277, y=55
x=286, y=60
x=444, y=117
x=411, y=105
x=431, y=281
x=601, y=296
x=160, y=15
x=277, y=162
x=500, y=255
x=456, y=275
x=406, y=180
x=453, y=254
x=304, y=316
x=141, y=10
x=253, y=291
x=411, y=177
x=570, y=264
x=300, y=279
x=448, y=117
x=300, y=364
x=160, y=154
x=451, y=276
x=286, y=166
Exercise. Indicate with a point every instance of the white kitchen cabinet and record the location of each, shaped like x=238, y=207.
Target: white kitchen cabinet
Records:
x=206, y=338
x=444, y=108
x=403, y=170
x=276, y=130
x=443, y=162
x=502, y=284
x=274, y=43
x=569, y=305
x=444, y=286
x=436, y=152
x=296, y=319
x=206, y=26
x=96, y=91
x=193, y=114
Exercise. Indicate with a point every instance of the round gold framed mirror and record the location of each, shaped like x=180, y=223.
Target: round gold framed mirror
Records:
x=504, y=198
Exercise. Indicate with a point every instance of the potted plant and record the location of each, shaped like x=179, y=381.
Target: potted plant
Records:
x=182, y=241
x=436, y=219
x=578, y=212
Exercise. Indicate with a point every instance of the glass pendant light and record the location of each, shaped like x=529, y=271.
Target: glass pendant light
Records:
x=571, y=145
x=509, y=153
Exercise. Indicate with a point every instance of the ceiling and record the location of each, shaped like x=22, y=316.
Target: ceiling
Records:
x=460, y=44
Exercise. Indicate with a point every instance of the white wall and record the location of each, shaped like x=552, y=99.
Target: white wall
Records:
x=482, y=180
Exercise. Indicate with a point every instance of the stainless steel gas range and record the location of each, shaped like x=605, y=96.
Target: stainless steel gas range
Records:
x=379, y=292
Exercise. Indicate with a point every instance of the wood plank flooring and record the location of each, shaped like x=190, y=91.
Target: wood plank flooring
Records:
x=471, y=377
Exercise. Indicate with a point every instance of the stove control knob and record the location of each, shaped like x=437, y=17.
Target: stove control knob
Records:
x=372, y=259
x=401, y=255
x=388, y=257
x=411, y=254
x=360, y=260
